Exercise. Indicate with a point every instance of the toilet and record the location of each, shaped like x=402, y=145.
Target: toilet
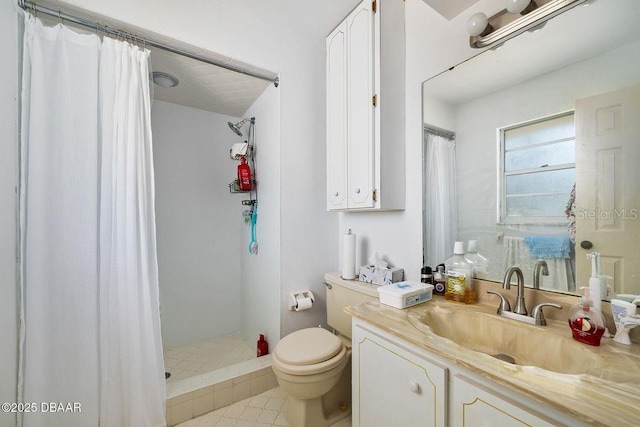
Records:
x=313, y=365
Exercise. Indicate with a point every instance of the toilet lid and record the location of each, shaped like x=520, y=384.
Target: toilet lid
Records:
x=307, y=347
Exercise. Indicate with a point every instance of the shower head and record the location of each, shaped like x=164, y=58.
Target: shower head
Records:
x=236, y=127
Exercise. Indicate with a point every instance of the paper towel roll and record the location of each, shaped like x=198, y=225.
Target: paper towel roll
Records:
x=303, y=303
x=349, y=256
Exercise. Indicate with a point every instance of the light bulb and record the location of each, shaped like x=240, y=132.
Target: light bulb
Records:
x=517, y=6
x=477, y=24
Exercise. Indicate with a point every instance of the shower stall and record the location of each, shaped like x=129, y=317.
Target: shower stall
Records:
x=208, y=297
x=216, y=292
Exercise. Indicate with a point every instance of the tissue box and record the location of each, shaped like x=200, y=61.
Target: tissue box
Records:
x=380, y=276
x=405, y=294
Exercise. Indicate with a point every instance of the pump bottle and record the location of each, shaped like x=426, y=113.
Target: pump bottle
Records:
x=459, y=277
x=586, y=321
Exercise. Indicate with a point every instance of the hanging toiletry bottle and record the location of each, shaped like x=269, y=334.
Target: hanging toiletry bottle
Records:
x=263, y=346
x=459, y=277
x=244, y=175
x=586, y=321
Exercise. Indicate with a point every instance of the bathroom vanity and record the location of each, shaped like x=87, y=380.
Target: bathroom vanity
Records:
x=434, y=364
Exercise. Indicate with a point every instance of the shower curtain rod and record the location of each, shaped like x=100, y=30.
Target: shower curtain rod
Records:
x=439, y=132
x=26, y=5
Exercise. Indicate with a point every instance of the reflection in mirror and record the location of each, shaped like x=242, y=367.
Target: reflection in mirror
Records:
x=541, y=159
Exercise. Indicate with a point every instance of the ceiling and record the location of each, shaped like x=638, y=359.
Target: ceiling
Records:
x=211, y=88
x=204, y=86
x=450, y=8
x=215, y=89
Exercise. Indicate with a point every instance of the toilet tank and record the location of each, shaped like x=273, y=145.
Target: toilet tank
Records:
x=344, y=293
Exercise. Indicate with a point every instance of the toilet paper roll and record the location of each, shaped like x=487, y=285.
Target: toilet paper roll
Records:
x=349, y=256
x=303, y=303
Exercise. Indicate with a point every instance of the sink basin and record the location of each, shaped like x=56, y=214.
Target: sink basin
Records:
x=507, y=340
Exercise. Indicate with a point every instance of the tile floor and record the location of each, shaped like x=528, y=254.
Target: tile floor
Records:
x=196, y=359
x=264, y=410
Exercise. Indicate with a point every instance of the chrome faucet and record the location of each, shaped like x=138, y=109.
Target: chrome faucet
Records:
x=520, y=307
x=520, y=311
x=540, y=264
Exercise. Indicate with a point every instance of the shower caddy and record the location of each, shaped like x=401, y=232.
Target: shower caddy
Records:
x=250, y=215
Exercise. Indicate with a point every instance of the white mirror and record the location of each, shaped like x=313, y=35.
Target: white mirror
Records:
x=549, y=109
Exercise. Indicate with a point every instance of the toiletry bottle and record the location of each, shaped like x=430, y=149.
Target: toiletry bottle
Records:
x=244, y=175
x=426, y=275
x=595, y=281
x=439, y=280
x=459, y=277
x=480, y=263
x=263, y=346
x=586, y=321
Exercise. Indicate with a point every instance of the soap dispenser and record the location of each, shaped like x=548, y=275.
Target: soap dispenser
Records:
x=586, y=321
x=459, y=277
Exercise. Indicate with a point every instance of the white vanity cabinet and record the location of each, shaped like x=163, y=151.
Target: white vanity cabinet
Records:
x=393, y=386
x=472, y=405
x=365, y=86
x=398, y=384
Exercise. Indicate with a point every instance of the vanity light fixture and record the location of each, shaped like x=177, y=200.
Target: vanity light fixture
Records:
x=517, y=17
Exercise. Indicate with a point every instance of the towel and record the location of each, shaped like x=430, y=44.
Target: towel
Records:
x=546, y=247
x=570, y=212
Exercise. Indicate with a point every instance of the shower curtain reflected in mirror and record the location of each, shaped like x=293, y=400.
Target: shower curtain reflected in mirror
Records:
x=440, y=210
x=89, y=318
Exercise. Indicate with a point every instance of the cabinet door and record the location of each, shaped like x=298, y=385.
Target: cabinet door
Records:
x=360, y=113
x=393, y=387
x=336, y=119
x=473, y=405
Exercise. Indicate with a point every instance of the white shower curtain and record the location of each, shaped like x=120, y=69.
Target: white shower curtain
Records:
x=90, y=325
x=441, y=213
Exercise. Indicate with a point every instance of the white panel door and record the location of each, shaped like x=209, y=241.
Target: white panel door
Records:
x=607, y=185
x=336, y=119
x=360, y=113
x=394, y=386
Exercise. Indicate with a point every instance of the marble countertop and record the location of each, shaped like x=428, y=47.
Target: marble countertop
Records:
x=607, y=395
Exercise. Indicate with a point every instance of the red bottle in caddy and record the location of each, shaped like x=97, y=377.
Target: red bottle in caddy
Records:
x=244, y=175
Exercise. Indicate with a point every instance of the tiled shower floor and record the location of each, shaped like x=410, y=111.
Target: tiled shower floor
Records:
x=210, y=355
x=264, y=410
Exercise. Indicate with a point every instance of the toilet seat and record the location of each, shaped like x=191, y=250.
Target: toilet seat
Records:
x=309, y=351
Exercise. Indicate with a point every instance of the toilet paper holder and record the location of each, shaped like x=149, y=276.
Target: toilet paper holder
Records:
x=302, y=294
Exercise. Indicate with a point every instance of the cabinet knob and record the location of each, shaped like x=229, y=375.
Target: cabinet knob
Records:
x=414, y=387
x=336, y=194
x=357, y=191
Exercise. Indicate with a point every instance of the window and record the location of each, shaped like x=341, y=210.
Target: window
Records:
x=537, y=170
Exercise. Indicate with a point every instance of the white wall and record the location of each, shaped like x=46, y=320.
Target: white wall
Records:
x=308, y=235
x=8, y=132
x=260, y=275
x=197, y=222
